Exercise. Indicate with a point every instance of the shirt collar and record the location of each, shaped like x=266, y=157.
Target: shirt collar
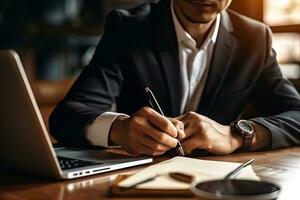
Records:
x=185, y=38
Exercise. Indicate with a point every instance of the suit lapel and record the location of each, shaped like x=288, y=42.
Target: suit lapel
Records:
x=221, y=60
x=168, y=54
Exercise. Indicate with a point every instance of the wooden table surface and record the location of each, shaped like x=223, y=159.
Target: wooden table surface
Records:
x=279, y=166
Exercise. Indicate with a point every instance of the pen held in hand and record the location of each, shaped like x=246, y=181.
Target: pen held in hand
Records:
x=179, y=149
x=154, y=103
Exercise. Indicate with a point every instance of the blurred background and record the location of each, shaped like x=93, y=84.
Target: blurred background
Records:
x=56, y=38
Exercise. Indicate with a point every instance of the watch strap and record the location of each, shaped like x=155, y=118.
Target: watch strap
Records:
x=247, y=138
x=247, y=141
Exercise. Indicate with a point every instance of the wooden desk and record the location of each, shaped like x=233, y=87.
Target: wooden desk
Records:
x=280, y=166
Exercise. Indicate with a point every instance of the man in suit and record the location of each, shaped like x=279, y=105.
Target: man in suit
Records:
x=202, y=62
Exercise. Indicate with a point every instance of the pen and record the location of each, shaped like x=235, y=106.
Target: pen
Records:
x=189, y=178
x=153, y=102
x=238, y=169
x=186, y=178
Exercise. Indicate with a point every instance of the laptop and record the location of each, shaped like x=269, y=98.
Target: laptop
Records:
x=24, y=140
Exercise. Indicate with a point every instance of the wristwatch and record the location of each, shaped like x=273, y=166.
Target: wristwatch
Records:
x=246, y=130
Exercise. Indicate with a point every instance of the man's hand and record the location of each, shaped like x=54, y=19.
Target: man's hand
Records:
x=204, y=133
x=146, y=132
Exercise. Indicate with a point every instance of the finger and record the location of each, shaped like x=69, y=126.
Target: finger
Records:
x=194, y=125
x=179, y=126
x=190, y=128
x=151, y=143
x=191, y=143
x=180, y=117
x=157, y=135
x=159, y=121
x=141, y=149
x=195, y=118
x=189, y=132
x=181, y=133
x=184, y=116
x=186, y=119
x=204, y=118
x=192, y=115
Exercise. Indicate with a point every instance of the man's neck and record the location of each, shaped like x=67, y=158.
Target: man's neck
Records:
x=196, y=30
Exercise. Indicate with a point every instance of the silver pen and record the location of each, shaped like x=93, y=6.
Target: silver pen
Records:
x=153, y=102
x=234, y=172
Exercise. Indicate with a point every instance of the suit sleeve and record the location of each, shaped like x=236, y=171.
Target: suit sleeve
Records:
x=278, y=99
x=94, y=91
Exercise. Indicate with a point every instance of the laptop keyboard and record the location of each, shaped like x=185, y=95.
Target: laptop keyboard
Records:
x=70, y=163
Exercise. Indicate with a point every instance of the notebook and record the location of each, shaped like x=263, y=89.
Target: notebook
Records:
x=202, y=170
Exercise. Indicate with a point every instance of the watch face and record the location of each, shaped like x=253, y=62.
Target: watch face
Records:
x=245, y=126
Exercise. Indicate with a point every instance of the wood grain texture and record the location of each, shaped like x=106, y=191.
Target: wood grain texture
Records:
x=279, y=166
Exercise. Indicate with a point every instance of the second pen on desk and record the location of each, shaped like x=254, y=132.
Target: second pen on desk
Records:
x=153, y=102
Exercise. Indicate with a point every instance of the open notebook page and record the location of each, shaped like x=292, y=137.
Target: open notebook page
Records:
x=202, y=170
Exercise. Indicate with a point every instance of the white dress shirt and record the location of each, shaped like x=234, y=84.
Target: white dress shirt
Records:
x=194, y=62
x=194, y=65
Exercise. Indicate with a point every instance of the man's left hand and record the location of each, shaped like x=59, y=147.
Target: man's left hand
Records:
x=204, y=133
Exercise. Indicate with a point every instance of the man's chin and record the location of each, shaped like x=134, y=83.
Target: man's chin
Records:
x=200, y=20
x=200, y=17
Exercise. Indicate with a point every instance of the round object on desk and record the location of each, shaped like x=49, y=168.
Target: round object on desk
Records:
x=233, y=189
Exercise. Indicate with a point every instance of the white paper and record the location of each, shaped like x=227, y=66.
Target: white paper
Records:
x=202, y=170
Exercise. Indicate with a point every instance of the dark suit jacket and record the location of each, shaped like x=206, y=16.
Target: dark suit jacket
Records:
x=139, y=48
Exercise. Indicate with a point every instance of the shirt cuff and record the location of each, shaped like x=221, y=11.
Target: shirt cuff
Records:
x=97, y=133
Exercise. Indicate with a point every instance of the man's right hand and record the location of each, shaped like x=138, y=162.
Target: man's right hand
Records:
x=146, y=132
